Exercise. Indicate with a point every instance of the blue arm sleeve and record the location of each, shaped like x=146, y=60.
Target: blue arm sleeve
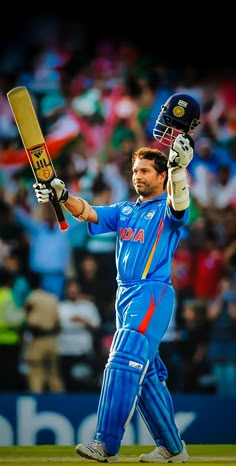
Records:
x=107, y=219
x=177, y=220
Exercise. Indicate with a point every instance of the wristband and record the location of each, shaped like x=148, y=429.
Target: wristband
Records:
x=83, y=216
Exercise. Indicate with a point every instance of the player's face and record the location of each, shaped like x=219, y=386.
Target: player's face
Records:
x=146, y=181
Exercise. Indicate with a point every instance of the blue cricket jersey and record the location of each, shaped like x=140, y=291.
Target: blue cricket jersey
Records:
x=147, y=236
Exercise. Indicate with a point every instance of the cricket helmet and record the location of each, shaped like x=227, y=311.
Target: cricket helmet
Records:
x=179, y=114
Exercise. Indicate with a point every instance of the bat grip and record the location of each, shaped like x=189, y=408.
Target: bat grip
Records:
x=63, y=225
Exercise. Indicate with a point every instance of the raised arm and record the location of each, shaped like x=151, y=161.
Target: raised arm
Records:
x=78, y=207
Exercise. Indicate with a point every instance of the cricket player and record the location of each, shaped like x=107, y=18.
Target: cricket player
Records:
x=148, y=232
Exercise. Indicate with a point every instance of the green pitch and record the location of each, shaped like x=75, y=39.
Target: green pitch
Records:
x=200, y=455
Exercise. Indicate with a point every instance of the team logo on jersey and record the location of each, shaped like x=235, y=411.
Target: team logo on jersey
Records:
x=128, y=234
x=149, y=215
x=126, y=210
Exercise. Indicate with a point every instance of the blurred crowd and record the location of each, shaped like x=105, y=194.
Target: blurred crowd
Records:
x=96, y=105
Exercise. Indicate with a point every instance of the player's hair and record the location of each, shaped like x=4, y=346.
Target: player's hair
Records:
x=160, y=159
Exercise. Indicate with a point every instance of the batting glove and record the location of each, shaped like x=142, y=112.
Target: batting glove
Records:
x=60, y=190
x=181, y=152
x=42, y=193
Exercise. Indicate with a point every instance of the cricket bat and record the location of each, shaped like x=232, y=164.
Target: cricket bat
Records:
x=34, y=143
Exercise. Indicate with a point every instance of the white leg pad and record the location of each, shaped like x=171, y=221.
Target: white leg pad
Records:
x=178, y=190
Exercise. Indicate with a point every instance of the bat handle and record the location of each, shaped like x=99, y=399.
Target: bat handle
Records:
x=63, y=225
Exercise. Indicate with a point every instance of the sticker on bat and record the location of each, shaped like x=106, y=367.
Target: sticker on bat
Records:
x=41, y=163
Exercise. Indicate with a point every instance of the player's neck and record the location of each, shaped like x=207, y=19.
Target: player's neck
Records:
x=152, y=196
x=149, y=198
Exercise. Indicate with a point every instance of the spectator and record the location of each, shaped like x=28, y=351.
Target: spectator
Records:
x=193, y=348
x=95, y=286
x=224, y=188
x=183, y=273
x=12, y=234
x=203, y=172
x=51, y=269
x=103, y=246
x=20, y=282
x=40, y=341
x=79, y=320
x=209, y=267
x=11, y=325
x=222, y=348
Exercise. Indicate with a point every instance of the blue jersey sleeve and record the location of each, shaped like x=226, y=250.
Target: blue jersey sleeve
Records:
x=108, y=217
x=176, y=221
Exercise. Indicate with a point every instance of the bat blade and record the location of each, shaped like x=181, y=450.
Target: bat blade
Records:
x=34, y=143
